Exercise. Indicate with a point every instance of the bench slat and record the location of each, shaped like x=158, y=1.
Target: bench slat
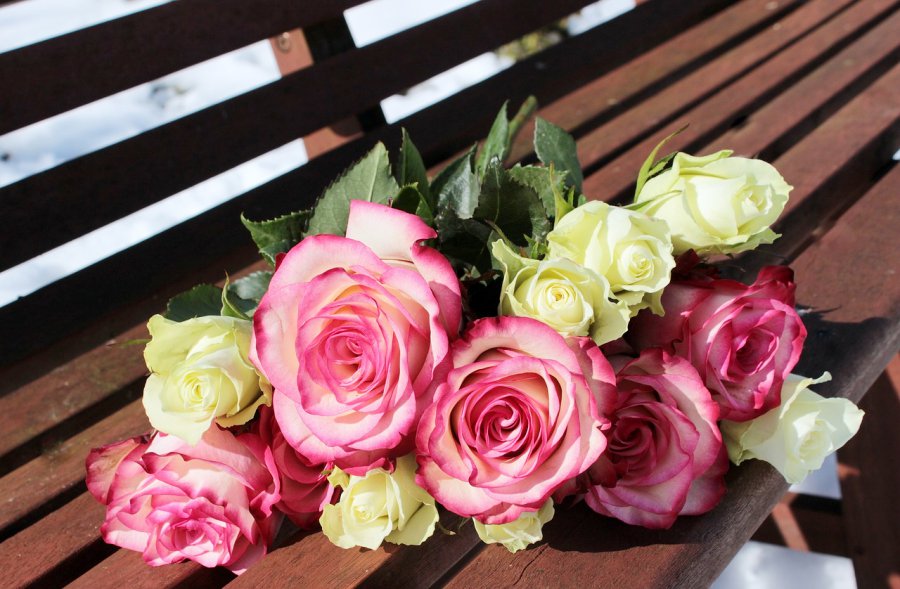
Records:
x=126, y=569
x=59, y=74
x=609, y=95
x=733, y=99
x=135, y=173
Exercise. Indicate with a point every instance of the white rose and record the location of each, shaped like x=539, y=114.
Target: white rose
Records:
x=569, y=298
x=200, y=374
x=716, y=203
x=380, y=506
x=519, y=533
x=630, y=249
x=795, y=437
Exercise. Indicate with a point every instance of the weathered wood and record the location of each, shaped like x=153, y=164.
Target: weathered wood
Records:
x=869, y=487
x=126, y=569
x=601, y=99
x=717, y=97
x=29, y=490
x=160, y=162
x=52, y=547
x=71, y=70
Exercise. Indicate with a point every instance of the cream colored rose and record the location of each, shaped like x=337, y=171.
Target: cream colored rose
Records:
x=380, y=506
x=630, y=249
x=200, y=374
x=569, y=298
x=795, y=437
x=519, y=533
x=716, y=203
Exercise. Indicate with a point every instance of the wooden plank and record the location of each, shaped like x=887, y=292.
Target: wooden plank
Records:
x=130, y=175
x=818, y=519
x=89, y=295
x=78, y=386
x=870, y=482
x=713, y=97
x=28, y=490
x=863, y=330
x=601, y=99
x=59, y=74
x=47, y=552
x=126, y=569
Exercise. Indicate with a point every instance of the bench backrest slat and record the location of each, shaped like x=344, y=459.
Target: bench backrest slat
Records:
x=47, y=78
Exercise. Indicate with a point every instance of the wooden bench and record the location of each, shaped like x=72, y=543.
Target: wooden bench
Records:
x=813, y=86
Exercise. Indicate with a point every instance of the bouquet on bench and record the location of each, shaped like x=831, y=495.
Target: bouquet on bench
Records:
x=486, y=340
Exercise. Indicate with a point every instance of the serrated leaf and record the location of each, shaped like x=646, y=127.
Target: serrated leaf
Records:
x=554, y=146
x=465, y=243
x=513, y=207
x=200, y=301
x=541, y=181
x=456, y=188
x=496, y=145
x=648, y=169
x=277, y=235
x=368, y=179
x=411, y=168
x=241, y=297
x=410, y=200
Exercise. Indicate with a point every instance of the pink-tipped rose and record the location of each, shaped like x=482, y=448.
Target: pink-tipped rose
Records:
x=743, y=340
x=305, y=489
x=665, y=456
x=211, y=503
x=353, y=333
x=515, y=419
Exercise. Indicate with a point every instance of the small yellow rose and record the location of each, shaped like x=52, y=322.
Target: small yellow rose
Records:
x=519, y=533
x=716, y=203
x=796, y=436
x=200, y=374
x=380, y=506
x=630, y=249
x=569, y=298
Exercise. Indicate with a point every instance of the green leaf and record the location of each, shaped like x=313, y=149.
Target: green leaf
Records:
x=411, y=168
x=648, y=169
x=368, y=179
x=466, y=243
x=241, y=297
x=410, y=200
x=456, y=188
x=525, y=111
x=514, y=208
x=554, y=146
x=277, y=235
x=496, y=146
x=200, y=301
x=542, y=181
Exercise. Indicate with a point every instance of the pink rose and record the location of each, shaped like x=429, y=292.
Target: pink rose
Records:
x=211, y=503
x=665, y=455
x=353, y=333
x=515, y=419
x=305, y=489
x=743, y=340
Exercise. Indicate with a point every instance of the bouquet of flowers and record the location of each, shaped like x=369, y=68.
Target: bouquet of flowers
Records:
x=487, y=341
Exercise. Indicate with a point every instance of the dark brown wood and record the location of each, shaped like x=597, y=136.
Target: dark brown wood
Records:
x=869, y=488
x=30, y=490
x=161, y=258
x=54, y=76
x=817, y=519
x=125, y=177
x=803, y=40
x=601, y=99
x=126, y=569
x=67, y=536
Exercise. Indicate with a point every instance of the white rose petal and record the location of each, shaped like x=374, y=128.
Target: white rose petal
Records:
x=519, y=533
x=796, y=436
